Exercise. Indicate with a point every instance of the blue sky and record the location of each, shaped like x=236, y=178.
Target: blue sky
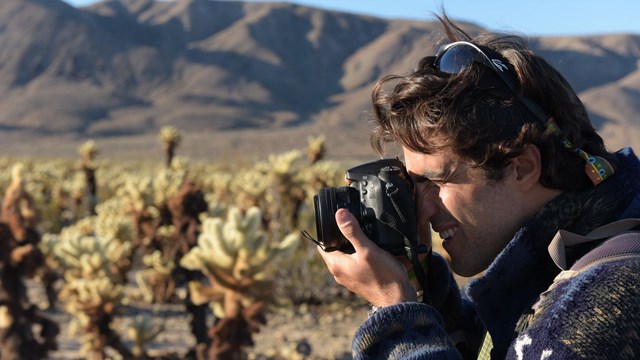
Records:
x=533, y=17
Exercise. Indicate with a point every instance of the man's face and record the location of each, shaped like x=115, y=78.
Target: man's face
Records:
x=474, y=217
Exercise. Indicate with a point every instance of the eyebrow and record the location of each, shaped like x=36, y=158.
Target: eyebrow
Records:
x=434, y=175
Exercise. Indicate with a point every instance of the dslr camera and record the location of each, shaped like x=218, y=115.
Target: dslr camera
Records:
x=381, y=196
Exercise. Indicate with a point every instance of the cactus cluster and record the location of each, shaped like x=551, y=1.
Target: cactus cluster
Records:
x=94, y=272
x=170, y=138
x=20, y=258
x=154, y=279
x=87, y=195
x=88, y=151
x=219, y=233
x=235, y=255
x=316, y=148
x=142, y=330
x=235, y=252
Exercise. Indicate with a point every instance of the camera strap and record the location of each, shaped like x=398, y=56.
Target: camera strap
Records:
x=410, y=242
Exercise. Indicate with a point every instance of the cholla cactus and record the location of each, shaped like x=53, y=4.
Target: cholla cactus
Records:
x=316, y=148
x=141, y=331
x=18, y=208
x=137, y=193
x=167, y=184
x=155, y=279
x=166, y=212
x=91, y=256
x=283, y=165
x=18, y=337
x=220, y=185
x=94, y=269
x=249, y=187
x=286, y=194
x=112, y=221
x=45, y=186
x=170, y=138
x=320, y=175
x=234, y=255
x=88, y=151
x=20, y=257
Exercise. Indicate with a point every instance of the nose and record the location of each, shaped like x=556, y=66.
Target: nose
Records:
x=427, y=201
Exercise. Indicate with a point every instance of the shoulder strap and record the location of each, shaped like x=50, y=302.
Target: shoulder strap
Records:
x=609, y=249
x=620, y=246
x=622, y=241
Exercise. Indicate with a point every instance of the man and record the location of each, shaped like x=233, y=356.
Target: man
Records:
x=503, y=156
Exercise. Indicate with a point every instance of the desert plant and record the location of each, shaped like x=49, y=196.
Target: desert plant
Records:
x=160, y=211
x=88, y=151
x=92, y=290
x=18, y=340
x=142, y=330
x=284, y=193
x=316, y=148
x=20, y=257
x=155, y=279
x=169, y=201
x=170, y=138
x=234, y=255
x=94, y=265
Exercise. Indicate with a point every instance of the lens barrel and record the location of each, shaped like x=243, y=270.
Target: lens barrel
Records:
x=326, y=204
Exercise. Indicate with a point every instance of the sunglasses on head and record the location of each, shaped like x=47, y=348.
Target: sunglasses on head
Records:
x=460, y=55
x=455, y=57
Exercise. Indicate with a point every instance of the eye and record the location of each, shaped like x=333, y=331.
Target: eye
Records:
x=439, y=183
x=426, y=186
x=426, y=183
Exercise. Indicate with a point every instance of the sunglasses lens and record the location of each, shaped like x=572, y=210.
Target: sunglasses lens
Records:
x=454, y=59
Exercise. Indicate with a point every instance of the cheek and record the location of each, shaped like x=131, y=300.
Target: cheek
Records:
x=451, y=198
x=459, y=200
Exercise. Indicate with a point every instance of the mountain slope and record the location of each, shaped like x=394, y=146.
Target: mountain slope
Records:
x=128, y=67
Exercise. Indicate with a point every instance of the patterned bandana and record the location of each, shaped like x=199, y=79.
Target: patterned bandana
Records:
x=596, y=167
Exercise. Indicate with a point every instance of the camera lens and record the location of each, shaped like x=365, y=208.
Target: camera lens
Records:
x=326, y=203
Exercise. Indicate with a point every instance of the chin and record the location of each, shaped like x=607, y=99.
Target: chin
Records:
x=464, y=270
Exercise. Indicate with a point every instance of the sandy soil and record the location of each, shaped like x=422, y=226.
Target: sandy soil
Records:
x=322, y=332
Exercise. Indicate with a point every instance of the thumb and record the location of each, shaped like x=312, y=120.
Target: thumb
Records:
x=350, y=228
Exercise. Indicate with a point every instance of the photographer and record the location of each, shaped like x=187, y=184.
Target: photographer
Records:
x=502, y=155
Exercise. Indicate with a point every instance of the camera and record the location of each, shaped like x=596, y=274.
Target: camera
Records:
x=381, y=196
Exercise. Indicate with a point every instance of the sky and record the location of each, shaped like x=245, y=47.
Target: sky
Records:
x=533, y=17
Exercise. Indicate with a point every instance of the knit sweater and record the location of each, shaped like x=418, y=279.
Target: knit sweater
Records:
x=594, y=315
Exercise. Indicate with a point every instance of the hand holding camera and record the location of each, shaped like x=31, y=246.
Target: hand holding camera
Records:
x=370, y=272
x=381, y=210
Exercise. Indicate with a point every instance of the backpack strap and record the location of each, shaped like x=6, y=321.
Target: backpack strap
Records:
x=620, y=246
x=608, y=249
x=622, y=241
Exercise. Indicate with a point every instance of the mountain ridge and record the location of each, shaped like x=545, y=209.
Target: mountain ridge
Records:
x=125, y=68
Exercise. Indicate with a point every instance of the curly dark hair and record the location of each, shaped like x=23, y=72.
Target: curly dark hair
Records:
x=475, y=114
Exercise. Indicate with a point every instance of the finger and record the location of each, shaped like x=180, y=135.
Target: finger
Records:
x=334, y=260
x=350, y=228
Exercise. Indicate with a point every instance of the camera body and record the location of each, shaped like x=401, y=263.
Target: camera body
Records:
x=381, y=197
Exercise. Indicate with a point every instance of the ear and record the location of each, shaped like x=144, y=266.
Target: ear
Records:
x=527, y=168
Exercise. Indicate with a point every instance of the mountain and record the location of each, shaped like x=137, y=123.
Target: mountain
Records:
x=230, y=72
